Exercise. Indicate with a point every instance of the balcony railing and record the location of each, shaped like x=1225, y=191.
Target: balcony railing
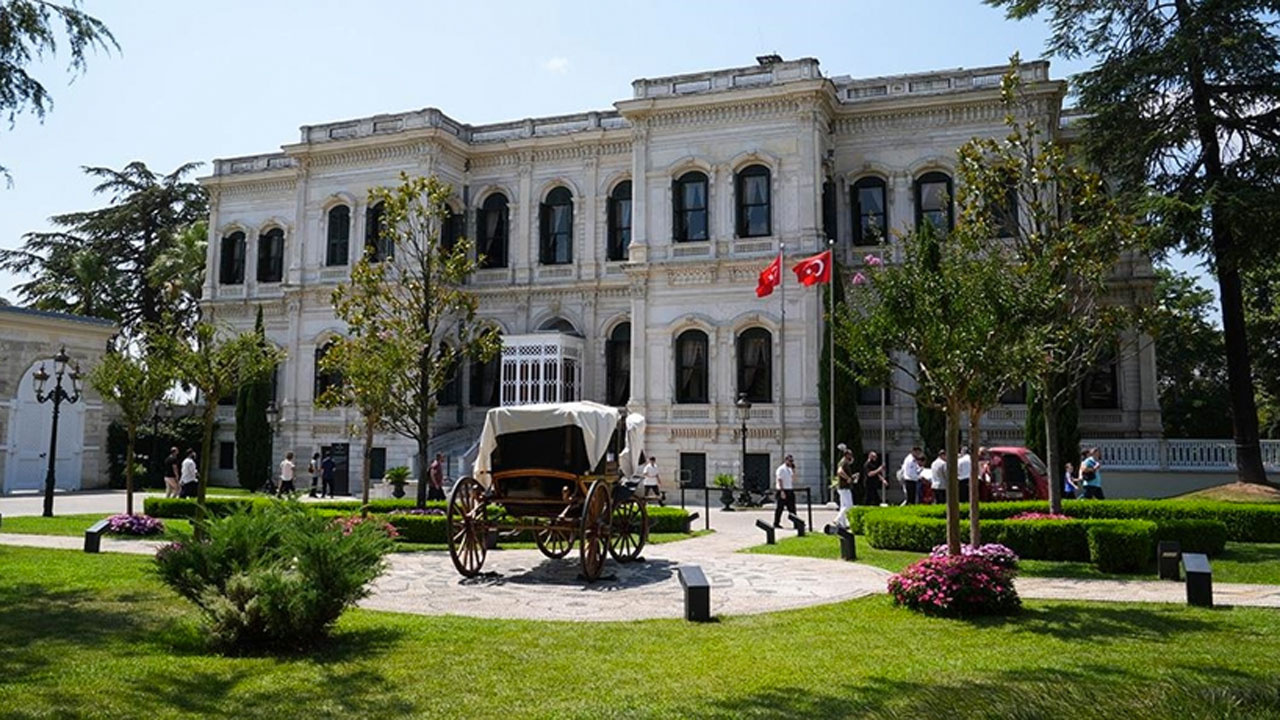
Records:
x=1184, y=455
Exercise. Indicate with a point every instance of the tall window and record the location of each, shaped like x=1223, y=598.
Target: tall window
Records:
x=755, y=365
x=753, y=201
x=231, y=259
x=619, y=221
x=691, y=367
x=491, y=226
x=556, y=221
x=338, y=241
x=868, y=211
x=449, y=393
x=377, y=243
x=271, y=256
x=325, y=379
x=484, y=382
x=933, y=200
x=829, y=229
x=1100, y=389
x=618, y=365
x=451, y=228
x=689, y=197
x=1007, y=213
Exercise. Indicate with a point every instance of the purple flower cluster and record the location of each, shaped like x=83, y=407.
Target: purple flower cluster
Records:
x=956, y=586
x=134, y=525
x=419, y=511
x=994, y=553
x=1040, y=516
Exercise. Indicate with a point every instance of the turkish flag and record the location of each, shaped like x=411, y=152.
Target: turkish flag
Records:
x=814, y=270
x=770, y=278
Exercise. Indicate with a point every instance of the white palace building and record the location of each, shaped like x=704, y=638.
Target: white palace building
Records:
x=622, y=248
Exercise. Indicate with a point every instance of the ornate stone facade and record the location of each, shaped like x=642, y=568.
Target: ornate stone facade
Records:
x=811, y=132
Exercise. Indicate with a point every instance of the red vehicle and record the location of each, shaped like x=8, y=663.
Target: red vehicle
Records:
x=1015, y=473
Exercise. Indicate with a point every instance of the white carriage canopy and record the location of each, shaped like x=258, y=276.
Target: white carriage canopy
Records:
x=596, y=422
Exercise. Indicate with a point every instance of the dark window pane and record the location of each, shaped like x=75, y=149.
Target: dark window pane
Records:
x=1016, y=396
x=696, y=225
x=871, y=395
x=869, y=211
x=377, y=463
x=339, y=236
x=324, y=379
x=484, y=382
x=378, y=245
x=755, y=365
x=226, y=456
x=491, y=226
x=1100, y=389
x=933, y=200
x=618, y=369
x=1007, y=214
x=271, y=256
x=829, y=210
x=691, y=367
x=753, y=201
x=231, y=259
x=690, y=207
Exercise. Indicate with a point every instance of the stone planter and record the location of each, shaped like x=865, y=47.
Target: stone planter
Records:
x=726, y=499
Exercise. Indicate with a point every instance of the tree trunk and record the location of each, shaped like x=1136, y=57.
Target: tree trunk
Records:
x=128, y=470
x=206, y=448
x=975, y=420
x=1052, y=451
x=424, y=423
x=366, y=467
x=953, y=483
x=1244, y=409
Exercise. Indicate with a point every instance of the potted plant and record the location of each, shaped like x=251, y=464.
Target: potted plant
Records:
x=396, y=477
x=724, y=481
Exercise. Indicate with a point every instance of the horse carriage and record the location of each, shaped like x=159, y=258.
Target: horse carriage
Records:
x=561, y=472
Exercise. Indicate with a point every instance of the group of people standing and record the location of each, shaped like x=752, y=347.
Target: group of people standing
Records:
x=181, y=476
x=922, y=483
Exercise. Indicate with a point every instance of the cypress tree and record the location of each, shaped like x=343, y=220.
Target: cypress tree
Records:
x=848, y=429
x=253, y=432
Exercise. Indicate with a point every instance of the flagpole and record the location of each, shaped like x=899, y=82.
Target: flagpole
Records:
x=831, y=362
x=782, y=343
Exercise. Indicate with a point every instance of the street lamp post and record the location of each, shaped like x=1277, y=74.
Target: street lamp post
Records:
x=744, y=410
x=57, y=396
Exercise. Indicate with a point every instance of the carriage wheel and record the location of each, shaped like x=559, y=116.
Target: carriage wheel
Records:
x=630, y=530
x=595, y=529
x=554, y=542
x=466, y=521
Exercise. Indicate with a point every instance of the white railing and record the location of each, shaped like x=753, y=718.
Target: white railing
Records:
x=1188, y=455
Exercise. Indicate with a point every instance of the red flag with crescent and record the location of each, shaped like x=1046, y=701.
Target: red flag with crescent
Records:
x=770, y=278
x=814, y=270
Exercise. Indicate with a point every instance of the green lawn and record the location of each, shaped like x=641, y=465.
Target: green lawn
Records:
x=98, y=636
x=1234, y=492
x=1240, y=563
x=75, y=525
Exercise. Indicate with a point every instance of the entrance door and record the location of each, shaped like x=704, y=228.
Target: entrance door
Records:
x=693, y=469
x=30, y=423
x=341, y=454
x=756, y=474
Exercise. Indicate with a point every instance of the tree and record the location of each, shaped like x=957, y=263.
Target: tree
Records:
x=848, y=428
x=1185, y=99
x=253, y=431
x=28, y=33
x=1068, y=425
x=1192, y=373
x=1262, y=313
x=136, y=385
x=178, y=275
x=101, y=258
x=407, y=291
x=215, y=366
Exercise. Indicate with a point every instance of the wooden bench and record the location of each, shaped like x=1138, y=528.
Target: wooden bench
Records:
x=93, y=536
x=697, y=593
x=1199, y=579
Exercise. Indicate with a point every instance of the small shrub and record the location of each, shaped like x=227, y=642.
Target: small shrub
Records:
x=1121, y=546
x=134, y=525
x=994, y=553
x=274, y=576
x=667, y=519
x=956, y=586
x=419, y=528
x=902, y=531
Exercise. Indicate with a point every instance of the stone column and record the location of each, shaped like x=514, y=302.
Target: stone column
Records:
x=522, y=232
x=640, y=240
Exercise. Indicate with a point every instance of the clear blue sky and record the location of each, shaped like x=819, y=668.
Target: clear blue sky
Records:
x=197, y=81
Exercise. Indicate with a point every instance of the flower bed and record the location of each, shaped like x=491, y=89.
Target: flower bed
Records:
x=994, y=553
x=957, y=586
x=134, y=525
x=1041, y=516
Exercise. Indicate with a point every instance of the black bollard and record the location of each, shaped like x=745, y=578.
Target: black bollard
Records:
x=768, y=532
x=848, y=547
x=797, y=523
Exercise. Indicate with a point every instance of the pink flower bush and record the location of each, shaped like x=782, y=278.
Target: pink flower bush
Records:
x=419, y=511
x=956, y=586
x=859, y=279
x=134, y=525
x=348, y=523
x=994, y=553
x=872, y=260
x=1040, y=516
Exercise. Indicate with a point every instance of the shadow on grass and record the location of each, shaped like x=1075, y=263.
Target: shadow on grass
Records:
x=1102, y=624
x=33, y=617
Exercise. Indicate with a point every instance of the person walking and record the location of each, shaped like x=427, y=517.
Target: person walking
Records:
x=328, y=472
x=784, y=484
x=287, y=469
x=313, y=469
x=1069, y=482
x=873, y=479
x=1091, y=475
x=846, y=479
x=189, y=479
x=435, y=475
x=938, y=477
x=964, y=466
x=172, y=471
x=652, y=481
x=911, y=475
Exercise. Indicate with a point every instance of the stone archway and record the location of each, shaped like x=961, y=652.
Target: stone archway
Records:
x=28, y=443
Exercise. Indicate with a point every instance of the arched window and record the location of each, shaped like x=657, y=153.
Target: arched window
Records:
x=484, y=382
x=755, y=365
x=338, y=239
x=689, y=202
x=491, y=226
x=691, y=367
x=452, y=227
x=619, y=221
x=378, y=245
x=867, y=200
x=754, y=206
x=933, y=200
x=231, y=259
x=618, y=365
x=556, y=225
x=449, y=393
x=271, y=256
x=1100, y=389
x=829, y=212
x=1007, y=214
x=325, y=379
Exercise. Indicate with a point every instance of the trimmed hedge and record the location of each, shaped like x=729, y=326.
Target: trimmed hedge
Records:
x=1040, y=539
x=1201, y=536
x=1121, y=546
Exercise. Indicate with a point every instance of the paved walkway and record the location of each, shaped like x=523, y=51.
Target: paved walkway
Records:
x=524, y=584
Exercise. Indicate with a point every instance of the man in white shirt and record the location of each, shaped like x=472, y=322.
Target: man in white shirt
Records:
x=911, y=475
x=939, y=478
x=652, y=482
x=286, y=474
x=963, y=467
x=190, y=478
x=784, y=484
